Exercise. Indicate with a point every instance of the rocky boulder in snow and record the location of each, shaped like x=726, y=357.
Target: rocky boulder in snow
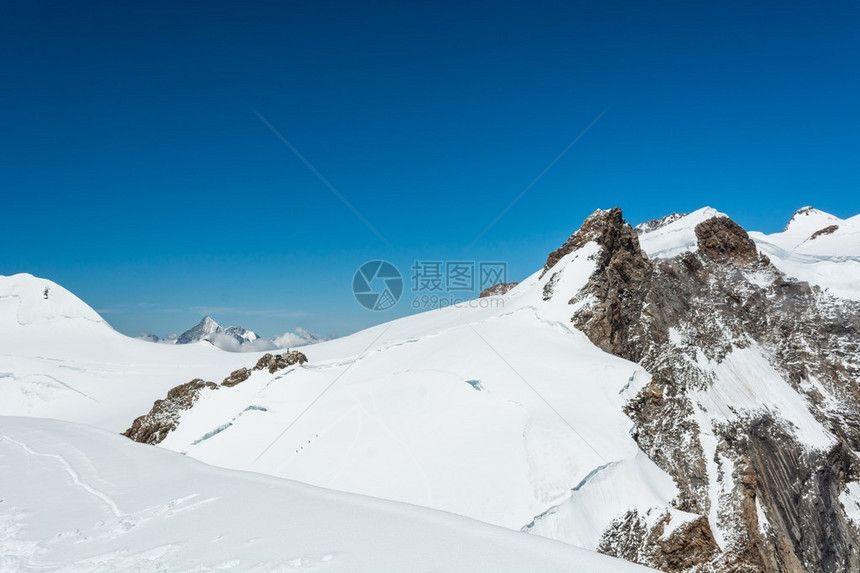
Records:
x=236, y=377
x=275, y=362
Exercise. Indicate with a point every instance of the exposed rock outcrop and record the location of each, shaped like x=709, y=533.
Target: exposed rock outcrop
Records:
x=631, y=538
x=163, y=418
x=497, y=289
x=620, y=282
x=828, y=230
x=275, y=362
x=153, y=427
x=722, y=239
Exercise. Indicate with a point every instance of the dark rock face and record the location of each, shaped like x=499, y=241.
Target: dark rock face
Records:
x=620, y=283
x=722, y=239
x=689, y=545
x=604, y=227
x=497, y=289
x=631, y=538
x=829, y=230
x=676, y=317
x=153, y=427
x=801, y=491
x=275, y=362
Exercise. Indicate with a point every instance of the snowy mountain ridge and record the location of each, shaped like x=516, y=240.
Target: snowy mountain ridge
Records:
x=236, y=338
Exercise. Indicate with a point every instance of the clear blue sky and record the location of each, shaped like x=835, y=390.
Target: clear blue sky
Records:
x=134, y=171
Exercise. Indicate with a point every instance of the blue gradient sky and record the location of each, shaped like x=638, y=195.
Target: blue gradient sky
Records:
x=135, y=172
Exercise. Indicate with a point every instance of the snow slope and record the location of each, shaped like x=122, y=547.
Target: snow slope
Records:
x=78, y=499
x=60, y=359
x=496, y=409
x=456, y=409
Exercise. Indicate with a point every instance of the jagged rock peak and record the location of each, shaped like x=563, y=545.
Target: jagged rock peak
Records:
x=619, y=284
x=721, y=239
x=205, y=328
x=608, y=229
x=655, y=224
x=210, y=331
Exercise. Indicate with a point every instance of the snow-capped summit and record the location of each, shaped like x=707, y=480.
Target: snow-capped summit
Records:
x=808, y=219
x=27, y=300
x=818, y=248
x=210, y=331
x=203, y=329
x=814, y=232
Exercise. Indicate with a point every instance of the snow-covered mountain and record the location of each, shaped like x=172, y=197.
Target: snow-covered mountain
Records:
x=671, y=395
x=210, y=331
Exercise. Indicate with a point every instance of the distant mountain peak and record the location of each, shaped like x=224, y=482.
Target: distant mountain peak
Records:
x=207, y=329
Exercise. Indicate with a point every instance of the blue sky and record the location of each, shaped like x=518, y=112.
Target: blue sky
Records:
x=135, y=172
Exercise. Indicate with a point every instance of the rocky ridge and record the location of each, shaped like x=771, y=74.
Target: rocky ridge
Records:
x=768, y=500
